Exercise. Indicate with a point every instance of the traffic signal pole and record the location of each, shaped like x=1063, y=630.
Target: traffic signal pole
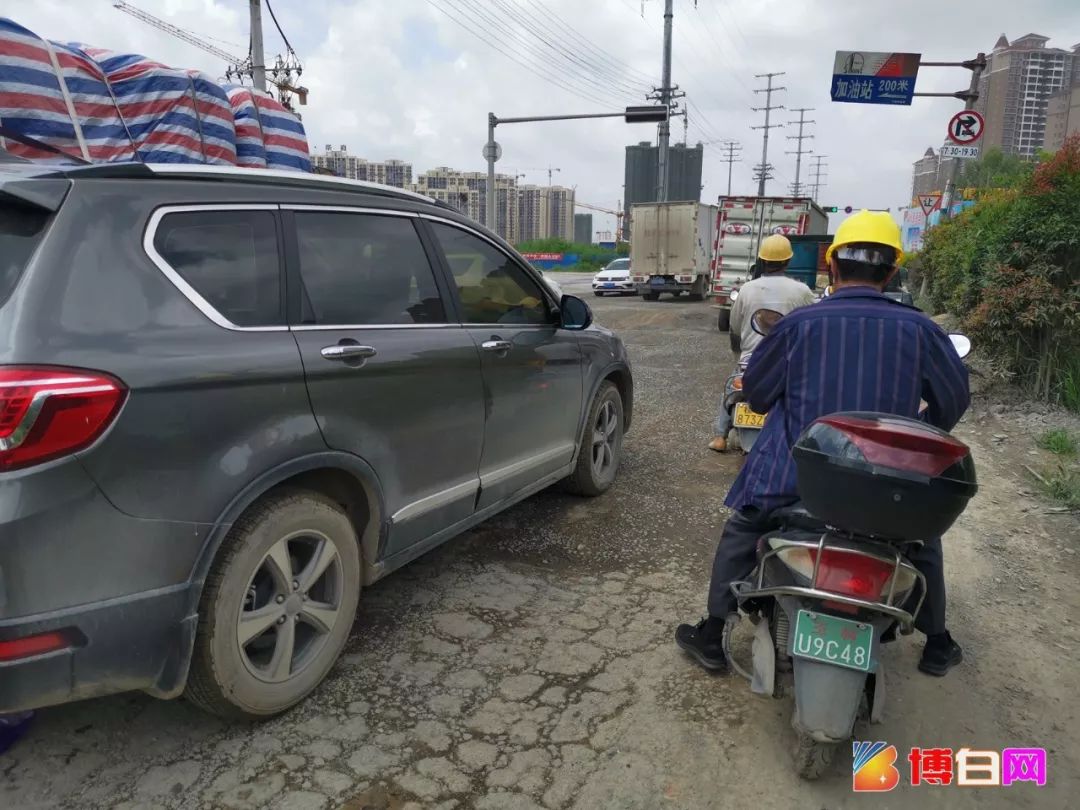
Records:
x=977, y=66
x=492, y=150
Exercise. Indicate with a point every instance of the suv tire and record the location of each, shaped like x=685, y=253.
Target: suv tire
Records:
x=291, y=563
x=600, y=446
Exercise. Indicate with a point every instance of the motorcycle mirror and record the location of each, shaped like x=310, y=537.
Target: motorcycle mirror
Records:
x=962, y=344
x=763, y=321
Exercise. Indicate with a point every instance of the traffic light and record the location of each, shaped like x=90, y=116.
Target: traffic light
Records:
x=830, y=209
x=646, y=115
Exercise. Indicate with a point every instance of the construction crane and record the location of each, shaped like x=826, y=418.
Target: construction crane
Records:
x=280, y=73
x=617, y=214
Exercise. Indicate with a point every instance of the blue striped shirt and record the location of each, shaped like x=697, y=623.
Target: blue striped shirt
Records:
x=855, y=351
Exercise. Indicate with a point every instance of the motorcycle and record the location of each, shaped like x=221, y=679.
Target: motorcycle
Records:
x=746, y=422
x=834, y=583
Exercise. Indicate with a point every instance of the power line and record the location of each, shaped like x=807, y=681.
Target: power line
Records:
x=601, y=54
x=540, y=71
x=522, y=17
x=763, y=171
x=796, y=187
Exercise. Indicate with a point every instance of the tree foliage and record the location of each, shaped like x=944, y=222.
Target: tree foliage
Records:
x=1010, y=268
x=995, y=169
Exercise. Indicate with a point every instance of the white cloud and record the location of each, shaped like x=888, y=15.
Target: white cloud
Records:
x=398, y=78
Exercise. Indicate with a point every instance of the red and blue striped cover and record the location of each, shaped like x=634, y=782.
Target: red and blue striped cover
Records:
x=33, y=100
x=215, y=119
x=156, y=103
x=103, y=106
x=250, y=150
x=284, y=136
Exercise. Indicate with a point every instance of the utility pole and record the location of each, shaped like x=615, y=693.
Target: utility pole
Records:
x=734, y=148
x=763, y=171
x=817, y=175
x=258, y=59
x=796, y=187
x=976, y=66
x=665, y=101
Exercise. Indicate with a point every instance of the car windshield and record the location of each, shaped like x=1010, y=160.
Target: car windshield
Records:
x=619, y=264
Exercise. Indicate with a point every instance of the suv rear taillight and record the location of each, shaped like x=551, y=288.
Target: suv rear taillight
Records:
x=46, y=412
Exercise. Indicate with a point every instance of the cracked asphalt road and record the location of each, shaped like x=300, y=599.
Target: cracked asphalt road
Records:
x=529, y=663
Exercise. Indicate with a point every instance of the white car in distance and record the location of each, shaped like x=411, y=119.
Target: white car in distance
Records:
x=614, y=279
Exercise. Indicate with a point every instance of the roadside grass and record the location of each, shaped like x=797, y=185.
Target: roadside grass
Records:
x=1059, y=442
x=1063, y=485
x=1069, y=386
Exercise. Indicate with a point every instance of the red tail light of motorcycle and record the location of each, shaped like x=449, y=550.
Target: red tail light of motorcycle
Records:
x=46, y=413
x=847, y=572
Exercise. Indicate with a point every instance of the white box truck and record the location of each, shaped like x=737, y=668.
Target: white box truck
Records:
x=671, y=248
x=741, y=224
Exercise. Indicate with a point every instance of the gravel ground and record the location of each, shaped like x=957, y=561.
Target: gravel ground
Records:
x=529, y=663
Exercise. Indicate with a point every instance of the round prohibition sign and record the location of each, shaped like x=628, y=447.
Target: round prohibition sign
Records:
x=966, y=127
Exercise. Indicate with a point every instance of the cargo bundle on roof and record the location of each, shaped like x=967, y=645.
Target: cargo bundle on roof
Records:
x=163, y=111
x=55, y=102
x=83, y=102
x=267, y=134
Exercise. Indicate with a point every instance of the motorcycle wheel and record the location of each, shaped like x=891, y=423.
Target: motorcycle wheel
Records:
x=813, y=759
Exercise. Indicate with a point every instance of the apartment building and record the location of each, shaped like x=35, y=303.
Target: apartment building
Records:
x=546, y=212
x=1062, y=117
x=1015, y=91
x=467, y=192
x=339, y=162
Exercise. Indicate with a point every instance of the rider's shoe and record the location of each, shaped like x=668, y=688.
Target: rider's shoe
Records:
x=703, y=642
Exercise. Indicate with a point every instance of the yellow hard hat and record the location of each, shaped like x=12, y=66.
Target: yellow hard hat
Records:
x=775, y=248
x=868, y=226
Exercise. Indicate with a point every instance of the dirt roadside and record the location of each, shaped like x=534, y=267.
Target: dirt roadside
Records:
x=530, y=663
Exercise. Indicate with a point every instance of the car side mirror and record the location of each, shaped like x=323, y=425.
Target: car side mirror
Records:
x=962, y=344
x=574, y=313
x=763, y=321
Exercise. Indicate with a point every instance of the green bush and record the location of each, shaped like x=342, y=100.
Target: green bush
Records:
x=1010, y=268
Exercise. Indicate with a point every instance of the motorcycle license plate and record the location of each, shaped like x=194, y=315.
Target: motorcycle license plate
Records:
x=842, y=642
x=746, y=418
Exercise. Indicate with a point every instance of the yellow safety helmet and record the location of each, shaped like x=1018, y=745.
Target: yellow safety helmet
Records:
x=775, y=248
x=868, y=226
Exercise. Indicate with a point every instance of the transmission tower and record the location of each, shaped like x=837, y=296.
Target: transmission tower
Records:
x=763, y=171
x=734, y=155
x=819, y=175
x=797, y=186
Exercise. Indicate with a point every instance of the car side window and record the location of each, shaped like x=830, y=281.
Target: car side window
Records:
x=492, y=286
x=230, y=258
x=365, y=269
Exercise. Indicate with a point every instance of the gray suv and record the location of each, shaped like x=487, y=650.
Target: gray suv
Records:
x=231, y=398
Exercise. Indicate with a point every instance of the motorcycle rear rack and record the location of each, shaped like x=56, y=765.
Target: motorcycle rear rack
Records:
x=745, y=590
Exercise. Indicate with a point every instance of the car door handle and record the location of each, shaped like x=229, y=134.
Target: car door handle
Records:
x=348, y=351
x=495, y=345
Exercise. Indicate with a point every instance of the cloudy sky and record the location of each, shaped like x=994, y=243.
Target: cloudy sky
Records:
x=415, y=79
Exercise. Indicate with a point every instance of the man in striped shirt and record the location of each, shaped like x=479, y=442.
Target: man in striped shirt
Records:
x=857, y=350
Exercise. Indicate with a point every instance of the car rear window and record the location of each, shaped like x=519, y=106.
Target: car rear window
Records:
x=230, y=258
x=21, y=231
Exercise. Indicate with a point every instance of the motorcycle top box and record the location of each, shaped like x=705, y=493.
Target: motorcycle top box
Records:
x=882, y=475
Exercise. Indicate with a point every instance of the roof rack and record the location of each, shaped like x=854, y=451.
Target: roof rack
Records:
x=135, y=169
x=277, y=175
